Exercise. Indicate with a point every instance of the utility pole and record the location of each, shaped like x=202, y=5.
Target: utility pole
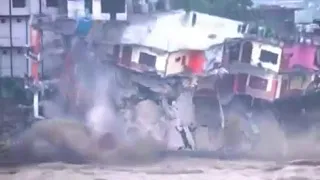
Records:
x=41, y=40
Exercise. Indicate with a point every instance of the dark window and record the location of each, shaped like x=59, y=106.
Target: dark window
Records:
x=18, y=3
x=258, y=83
x=19, y=20
x=178, y=59
x=116, y=50
x=242, y=28
x=317, y=58
x=266, y=56
x=194, y=19
x=113, y=6
x=126, y=55
x=160, y=6
x=147, y=59
x=253, y=30
x=19, y=51
x=246, y=52
x=184, y=60
x=239, y=28
x=4, y=52
x=234, y=52
x=3, y=21
x=52, y=3
x=88, y=5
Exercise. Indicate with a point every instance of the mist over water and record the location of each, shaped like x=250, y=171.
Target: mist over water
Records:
x=101, y=117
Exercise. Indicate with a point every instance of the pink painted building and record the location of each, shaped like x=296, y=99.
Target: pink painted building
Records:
x=271, y=71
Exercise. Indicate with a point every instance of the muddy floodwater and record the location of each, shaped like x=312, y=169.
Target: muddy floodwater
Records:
x=302, y=160
x=303, y=164
x=170, y=168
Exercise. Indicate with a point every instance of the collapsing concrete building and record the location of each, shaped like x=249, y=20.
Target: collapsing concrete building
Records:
x=171, y=42
x=165, y=53
x=170, y=59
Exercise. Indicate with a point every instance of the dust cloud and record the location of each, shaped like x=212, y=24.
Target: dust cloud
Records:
x=107, y=135
x=110, y=135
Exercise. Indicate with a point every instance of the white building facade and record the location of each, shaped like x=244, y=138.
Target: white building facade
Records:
x=14, y=32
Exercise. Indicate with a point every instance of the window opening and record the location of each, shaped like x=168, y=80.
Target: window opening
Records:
x=194, y=19
x=116, y=50
x=160, y=6
x=239, y=28
x=18, y=3
x=87, y=5
x=258, y=83
x=147, y=59
x=19, y=51
x=113, y=6
x=178, y=59
x=268, y=57
x=184, y=60
x=234, y=52
x=242, y=28
x=52, y=3
x=317, y=58
x=246, y=52
x=126, y=55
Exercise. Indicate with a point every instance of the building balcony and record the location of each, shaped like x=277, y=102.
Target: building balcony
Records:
x=27, y=7
x=19, y=31
x=13, y=62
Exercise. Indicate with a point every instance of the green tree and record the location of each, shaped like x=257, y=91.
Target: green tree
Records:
x=234, y=9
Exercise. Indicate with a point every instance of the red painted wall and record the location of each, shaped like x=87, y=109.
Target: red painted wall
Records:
x=35, y=43
x=196, y=62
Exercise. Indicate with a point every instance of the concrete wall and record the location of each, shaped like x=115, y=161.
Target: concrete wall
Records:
x=257, y=47
x=19, y=62
x=161, y=58
x=19, y=20
x=19, y=31
x=176, y=66
x=165, y=62
x=31, y=7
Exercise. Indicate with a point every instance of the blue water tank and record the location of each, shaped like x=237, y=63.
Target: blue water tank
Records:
x=84, y=25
